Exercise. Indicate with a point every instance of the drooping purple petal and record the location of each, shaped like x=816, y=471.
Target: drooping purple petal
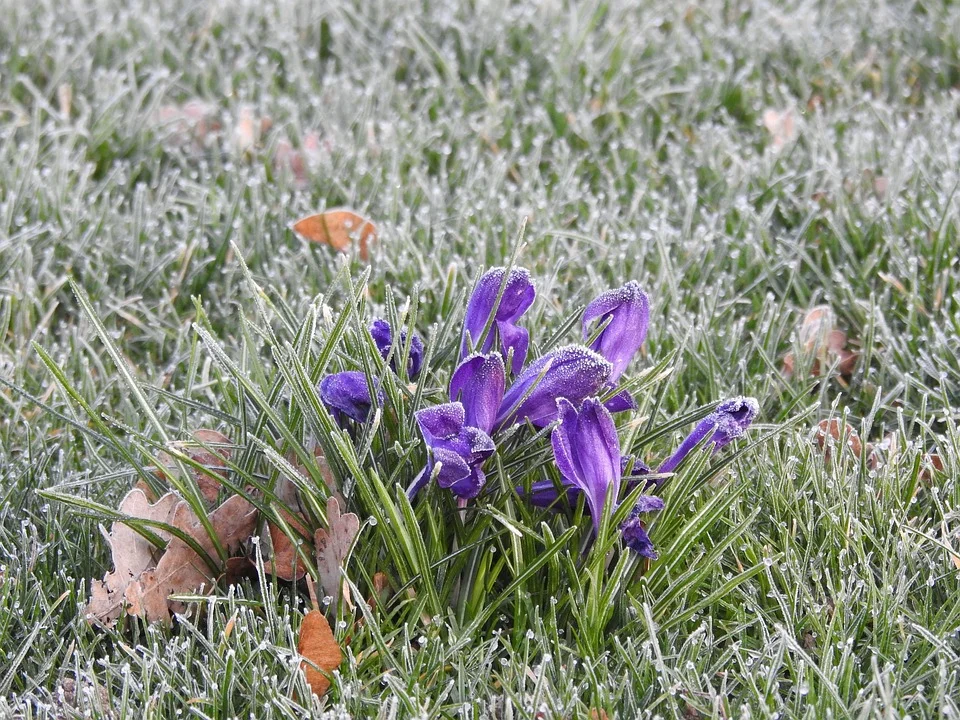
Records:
x=628, y=310
x=727, y=422
x=573, y=372
x=346, y=394
x=480, y=381
x=482, y=308
x=382, y=335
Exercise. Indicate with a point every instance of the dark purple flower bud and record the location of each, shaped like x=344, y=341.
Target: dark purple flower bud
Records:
x=479, y=382
x=347, y=395
x=587, y=452
x=458, y=449
x=382, y=335
x=634, y=533
x=628, y=310
x=517, y=296
x=727, y=422
x=573, y=372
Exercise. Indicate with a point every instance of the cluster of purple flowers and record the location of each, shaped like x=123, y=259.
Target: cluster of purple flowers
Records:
x=576, y=385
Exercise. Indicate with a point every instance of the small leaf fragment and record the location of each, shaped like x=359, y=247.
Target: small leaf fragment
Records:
x=338, y=228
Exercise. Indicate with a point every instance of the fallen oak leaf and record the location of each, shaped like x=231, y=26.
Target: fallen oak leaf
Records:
x=181, y=569
x=337, y=228
x=132, y=553
x=332, y=546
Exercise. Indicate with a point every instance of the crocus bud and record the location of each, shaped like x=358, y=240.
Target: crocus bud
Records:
x=518, y=295
x=382, y=335
x=347, y=395
x=628, y=311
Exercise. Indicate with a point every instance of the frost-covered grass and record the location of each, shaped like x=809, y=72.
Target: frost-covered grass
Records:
x=632, y=140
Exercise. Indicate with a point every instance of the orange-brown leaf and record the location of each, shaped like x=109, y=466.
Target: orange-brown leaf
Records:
x=319, y=649
x=338, y=229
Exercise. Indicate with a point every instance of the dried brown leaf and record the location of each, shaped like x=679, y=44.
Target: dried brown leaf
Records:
x=828, y=435
x=215, y=463
x=320, y=651
x=285, y=562
x=181, y=569
x=338, y=229
x=333, y=545
x=132, y=553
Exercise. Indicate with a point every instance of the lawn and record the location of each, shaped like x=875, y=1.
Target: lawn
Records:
x=745, y=162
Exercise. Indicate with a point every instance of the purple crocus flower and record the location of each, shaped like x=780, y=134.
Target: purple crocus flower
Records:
x=634, y=533
x=587, y=451
x=382, y=335
x=727, y=422
x=628, y=310
x=518, y=295
x=479, y=382
x=347, y=395
x=458, y=448
x=573, y=372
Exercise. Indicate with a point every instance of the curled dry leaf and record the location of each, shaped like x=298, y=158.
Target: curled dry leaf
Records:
x=181, y=570
x=319, y=649
x=338, y=228
x=215, y=463
x=132, y=553
x=332, y=547
x=819, y=338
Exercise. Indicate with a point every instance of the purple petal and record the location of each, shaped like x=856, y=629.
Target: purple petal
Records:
x=648, y=503
x=628, y=310
x=621, y=402
x=639, y=467
x=635, y=537
x=734, y=416
x=596, y=456
x=470, y=486
x=383, y=338
x=544, y=493
x=480, y=382
x=513, y=337
x=440, y=421
x=347, y=393
x=573, y=372
x=518, y=295
x=453, y=467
